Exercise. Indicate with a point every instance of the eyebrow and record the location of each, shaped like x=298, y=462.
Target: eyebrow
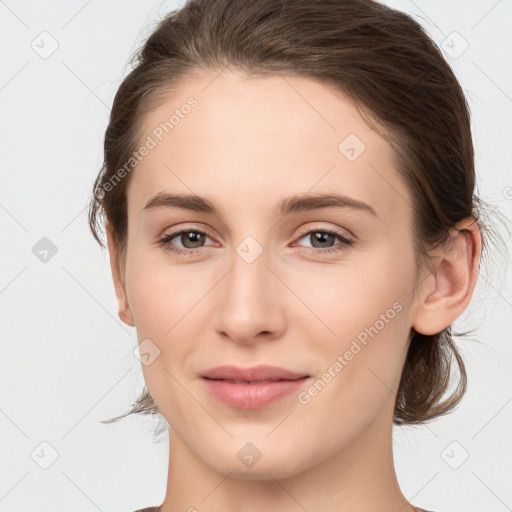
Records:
x=297, y=203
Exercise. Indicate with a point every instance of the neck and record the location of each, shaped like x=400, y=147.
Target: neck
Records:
x=359, y=477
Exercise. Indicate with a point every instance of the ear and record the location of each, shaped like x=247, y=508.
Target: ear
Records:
x=124, y=311
x=454, y=280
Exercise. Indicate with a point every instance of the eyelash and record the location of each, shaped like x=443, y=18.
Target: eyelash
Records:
x=165, y=241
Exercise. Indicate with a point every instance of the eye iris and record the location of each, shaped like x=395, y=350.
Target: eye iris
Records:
x=189, y=236
x=321, y=237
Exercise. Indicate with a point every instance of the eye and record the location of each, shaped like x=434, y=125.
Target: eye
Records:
x=191, y=239
x=322, y=237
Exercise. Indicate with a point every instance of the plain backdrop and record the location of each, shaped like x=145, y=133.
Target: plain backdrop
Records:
x=66, y=360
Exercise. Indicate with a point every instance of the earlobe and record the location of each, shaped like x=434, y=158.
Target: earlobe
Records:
x=454, y=279
x=124, y=310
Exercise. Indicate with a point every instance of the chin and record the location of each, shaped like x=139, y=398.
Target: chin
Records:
x=277, y=464
x=263, y=472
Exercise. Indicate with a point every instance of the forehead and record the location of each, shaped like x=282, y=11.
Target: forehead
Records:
x=244, y=139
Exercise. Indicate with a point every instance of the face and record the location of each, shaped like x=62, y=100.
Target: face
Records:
x=322, y=289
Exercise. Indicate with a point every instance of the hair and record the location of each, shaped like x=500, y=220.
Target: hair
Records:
x=378, y=57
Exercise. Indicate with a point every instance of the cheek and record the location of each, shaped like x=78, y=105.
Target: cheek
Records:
x=362, y=361
x=159, y=293
x=349, y=297
x=166, y=306
x=359, y=313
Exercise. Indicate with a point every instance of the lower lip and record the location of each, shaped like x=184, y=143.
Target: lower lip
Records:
x=252, y=396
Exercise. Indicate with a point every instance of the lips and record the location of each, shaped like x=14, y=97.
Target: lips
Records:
x=255, y=382
x=252, y=388
x=260, y=374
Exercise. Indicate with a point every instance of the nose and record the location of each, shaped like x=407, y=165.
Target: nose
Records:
x=251, y=302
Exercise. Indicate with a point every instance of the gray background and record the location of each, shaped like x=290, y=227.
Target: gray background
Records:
x=66, y=360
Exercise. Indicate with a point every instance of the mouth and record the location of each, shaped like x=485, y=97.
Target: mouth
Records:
x=256, y=382
x=252, y=375
x=252, y=394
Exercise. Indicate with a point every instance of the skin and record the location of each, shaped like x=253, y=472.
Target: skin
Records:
x=248, y=144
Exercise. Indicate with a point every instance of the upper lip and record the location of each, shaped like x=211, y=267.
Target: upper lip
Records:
x=252, y=374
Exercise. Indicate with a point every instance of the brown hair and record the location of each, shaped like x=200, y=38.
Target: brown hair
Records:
x=386, y=64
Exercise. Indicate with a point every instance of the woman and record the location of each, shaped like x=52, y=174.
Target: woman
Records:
x=288, y=197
